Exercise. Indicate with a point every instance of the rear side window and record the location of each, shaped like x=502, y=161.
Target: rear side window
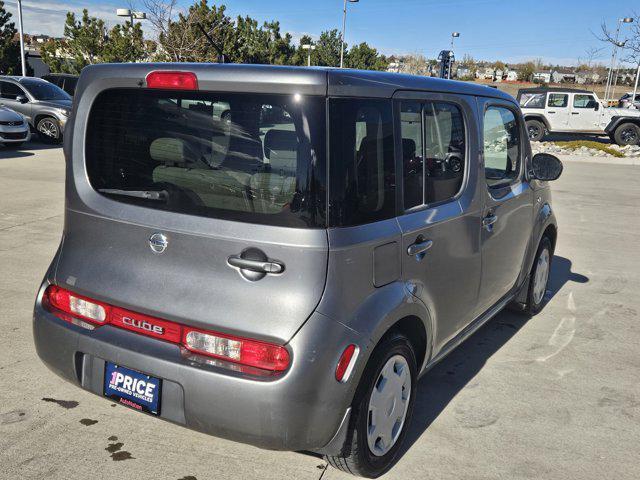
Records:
x=362, y=170
x=501, y=146
x=433, y=152
x=532, y=100
x=558, y=100
x=244, y=157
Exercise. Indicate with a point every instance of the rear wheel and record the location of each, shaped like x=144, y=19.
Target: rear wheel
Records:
x=539, y=277
x=49, y=130
x=381, y=410
x=627, y=134
x=535, y=130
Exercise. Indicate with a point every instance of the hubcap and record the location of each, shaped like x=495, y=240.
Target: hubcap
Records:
x=388, y=405
x=48, y=128
x=541, y=276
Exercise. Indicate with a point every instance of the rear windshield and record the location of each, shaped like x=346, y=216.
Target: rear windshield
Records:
x=532, y=100
x=245, y=157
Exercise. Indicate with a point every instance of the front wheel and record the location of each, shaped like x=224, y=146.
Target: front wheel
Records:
x=539, y=277
x=627, y=134
x=49, y=130
x=381, y=411
x=535, y=130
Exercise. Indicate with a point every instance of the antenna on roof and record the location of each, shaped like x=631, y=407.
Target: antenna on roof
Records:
x=221, y=58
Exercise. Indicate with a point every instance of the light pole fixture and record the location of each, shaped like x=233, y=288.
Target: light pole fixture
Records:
x=454, y=35
x=125, y=12
x=308, y=47
x=22, y=57
x=344, y=28
x=612, y=76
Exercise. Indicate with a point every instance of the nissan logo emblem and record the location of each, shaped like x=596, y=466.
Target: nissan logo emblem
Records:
x=158, y=242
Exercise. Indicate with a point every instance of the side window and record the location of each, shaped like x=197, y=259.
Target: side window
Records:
x=584, y=101
x=10, y=90
x=362, y=166
x=558, y=100
x=444, y=148
x=412, y=158
x=501, y=146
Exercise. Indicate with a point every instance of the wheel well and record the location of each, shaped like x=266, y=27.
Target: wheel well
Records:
x=552, y=233
x=538, y=118
x=413, y=328
x=41, y=116
x=622, y=121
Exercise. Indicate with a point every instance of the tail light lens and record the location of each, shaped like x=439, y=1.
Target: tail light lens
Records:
x=172, y=80
x=240, y=350
x=68, y=306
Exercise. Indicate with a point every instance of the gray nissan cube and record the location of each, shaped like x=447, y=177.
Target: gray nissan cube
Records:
x=275, y=255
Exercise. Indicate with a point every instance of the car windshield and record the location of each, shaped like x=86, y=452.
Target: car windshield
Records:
x=44, y=90
x=235, y=156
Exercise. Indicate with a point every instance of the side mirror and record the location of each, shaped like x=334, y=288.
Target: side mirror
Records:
x=546, y=167
x=22, y=99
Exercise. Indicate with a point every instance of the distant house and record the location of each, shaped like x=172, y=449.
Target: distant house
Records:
x=463, y=72
x=583, y=78
x=542, y=77
x=498, y=75
x=511, y=76
x=563, y=76
x=485, y=73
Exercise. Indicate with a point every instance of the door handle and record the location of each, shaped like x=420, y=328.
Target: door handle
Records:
x=488, y=221
x=551, y=112
x=419, y=247
x=575, y=113
x=255, y=265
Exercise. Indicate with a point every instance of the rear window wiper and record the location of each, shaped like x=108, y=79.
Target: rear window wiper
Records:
x=157, y=195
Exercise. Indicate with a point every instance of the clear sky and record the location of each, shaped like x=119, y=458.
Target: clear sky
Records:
x=558, y=31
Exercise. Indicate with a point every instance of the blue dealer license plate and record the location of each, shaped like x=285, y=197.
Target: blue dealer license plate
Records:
x=133, y=389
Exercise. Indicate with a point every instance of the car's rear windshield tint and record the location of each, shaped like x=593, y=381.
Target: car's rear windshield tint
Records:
x=237, y=156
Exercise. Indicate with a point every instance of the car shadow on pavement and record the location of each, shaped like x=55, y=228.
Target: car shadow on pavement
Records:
x=26, y=149
x=438, y=387
x=569, y=137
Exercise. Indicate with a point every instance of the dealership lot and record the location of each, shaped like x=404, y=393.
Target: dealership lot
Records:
x=555, y=396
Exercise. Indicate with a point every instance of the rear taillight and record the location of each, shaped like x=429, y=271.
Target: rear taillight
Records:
x=69, y=306
x=76, y=305
x=240, y=350
x=172, y=80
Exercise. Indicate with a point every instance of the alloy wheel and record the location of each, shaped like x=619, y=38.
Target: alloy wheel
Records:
x=49, y=128
x=541, y=276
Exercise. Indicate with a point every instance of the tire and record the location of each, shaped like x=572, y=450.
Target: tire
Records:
x=536, y=130
x=539, y=279
x=49, y=130
x=357, y=457
x=627, y=134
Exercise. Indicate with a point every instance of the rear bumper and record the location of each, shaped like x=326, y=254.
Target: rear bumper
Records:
x=299, y=410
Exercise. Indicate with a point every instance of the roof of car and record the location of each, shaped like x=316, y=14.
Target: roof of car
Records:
x=272, y=78
x=17, y=78
x=67, y=75
x=552, y=89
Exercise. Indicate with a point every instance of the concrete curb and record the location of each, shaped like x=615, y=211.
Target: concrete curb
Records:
x=635, y=161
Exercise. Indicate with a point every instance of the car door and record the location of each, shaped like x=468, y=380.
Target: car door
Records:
x=507, y=222
x=585, y=113
x=440, y=223
x=9, y=92
x=558, y=111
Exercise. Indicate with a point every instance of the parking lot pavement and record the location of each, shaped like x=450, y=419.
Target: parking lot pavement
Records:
x=551, y=397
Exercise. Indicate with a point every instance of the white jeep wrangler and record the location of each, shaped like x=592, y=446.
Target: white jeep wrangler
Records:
x=561, y=110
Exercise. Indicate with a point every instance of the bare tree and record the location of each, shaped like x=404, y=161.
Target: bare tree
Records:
x=629, y=42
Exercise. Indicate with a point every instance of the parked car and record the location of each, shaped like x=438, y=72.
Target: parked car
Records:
x=625, y=101
x=45, y=106
x=561, y=110
x=14, y=129
x=275, y=281
x=65, y=81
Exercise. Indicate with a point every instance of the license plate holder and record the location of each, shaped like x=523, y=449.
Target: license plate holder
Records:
x=131, y=388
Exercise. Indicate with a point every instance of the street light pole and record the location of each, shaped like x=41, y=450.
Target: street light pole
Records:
x=125, y=12
x=344, y=28
x=454, y=35
x=614, y=54
x=308, y=47
x=22, y=57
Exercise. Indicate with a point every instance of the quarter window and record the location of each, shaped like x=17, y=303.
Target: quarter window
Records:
x=558, y=100
x=584, y=101
x=501, y=146
x=362, y=167
x=433, y=168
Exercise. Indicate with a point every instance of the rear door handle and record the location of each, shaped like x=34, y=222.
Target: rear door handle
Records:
x=575, y=113
x=255, y=265
x=488, y=221
x=419, y=247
